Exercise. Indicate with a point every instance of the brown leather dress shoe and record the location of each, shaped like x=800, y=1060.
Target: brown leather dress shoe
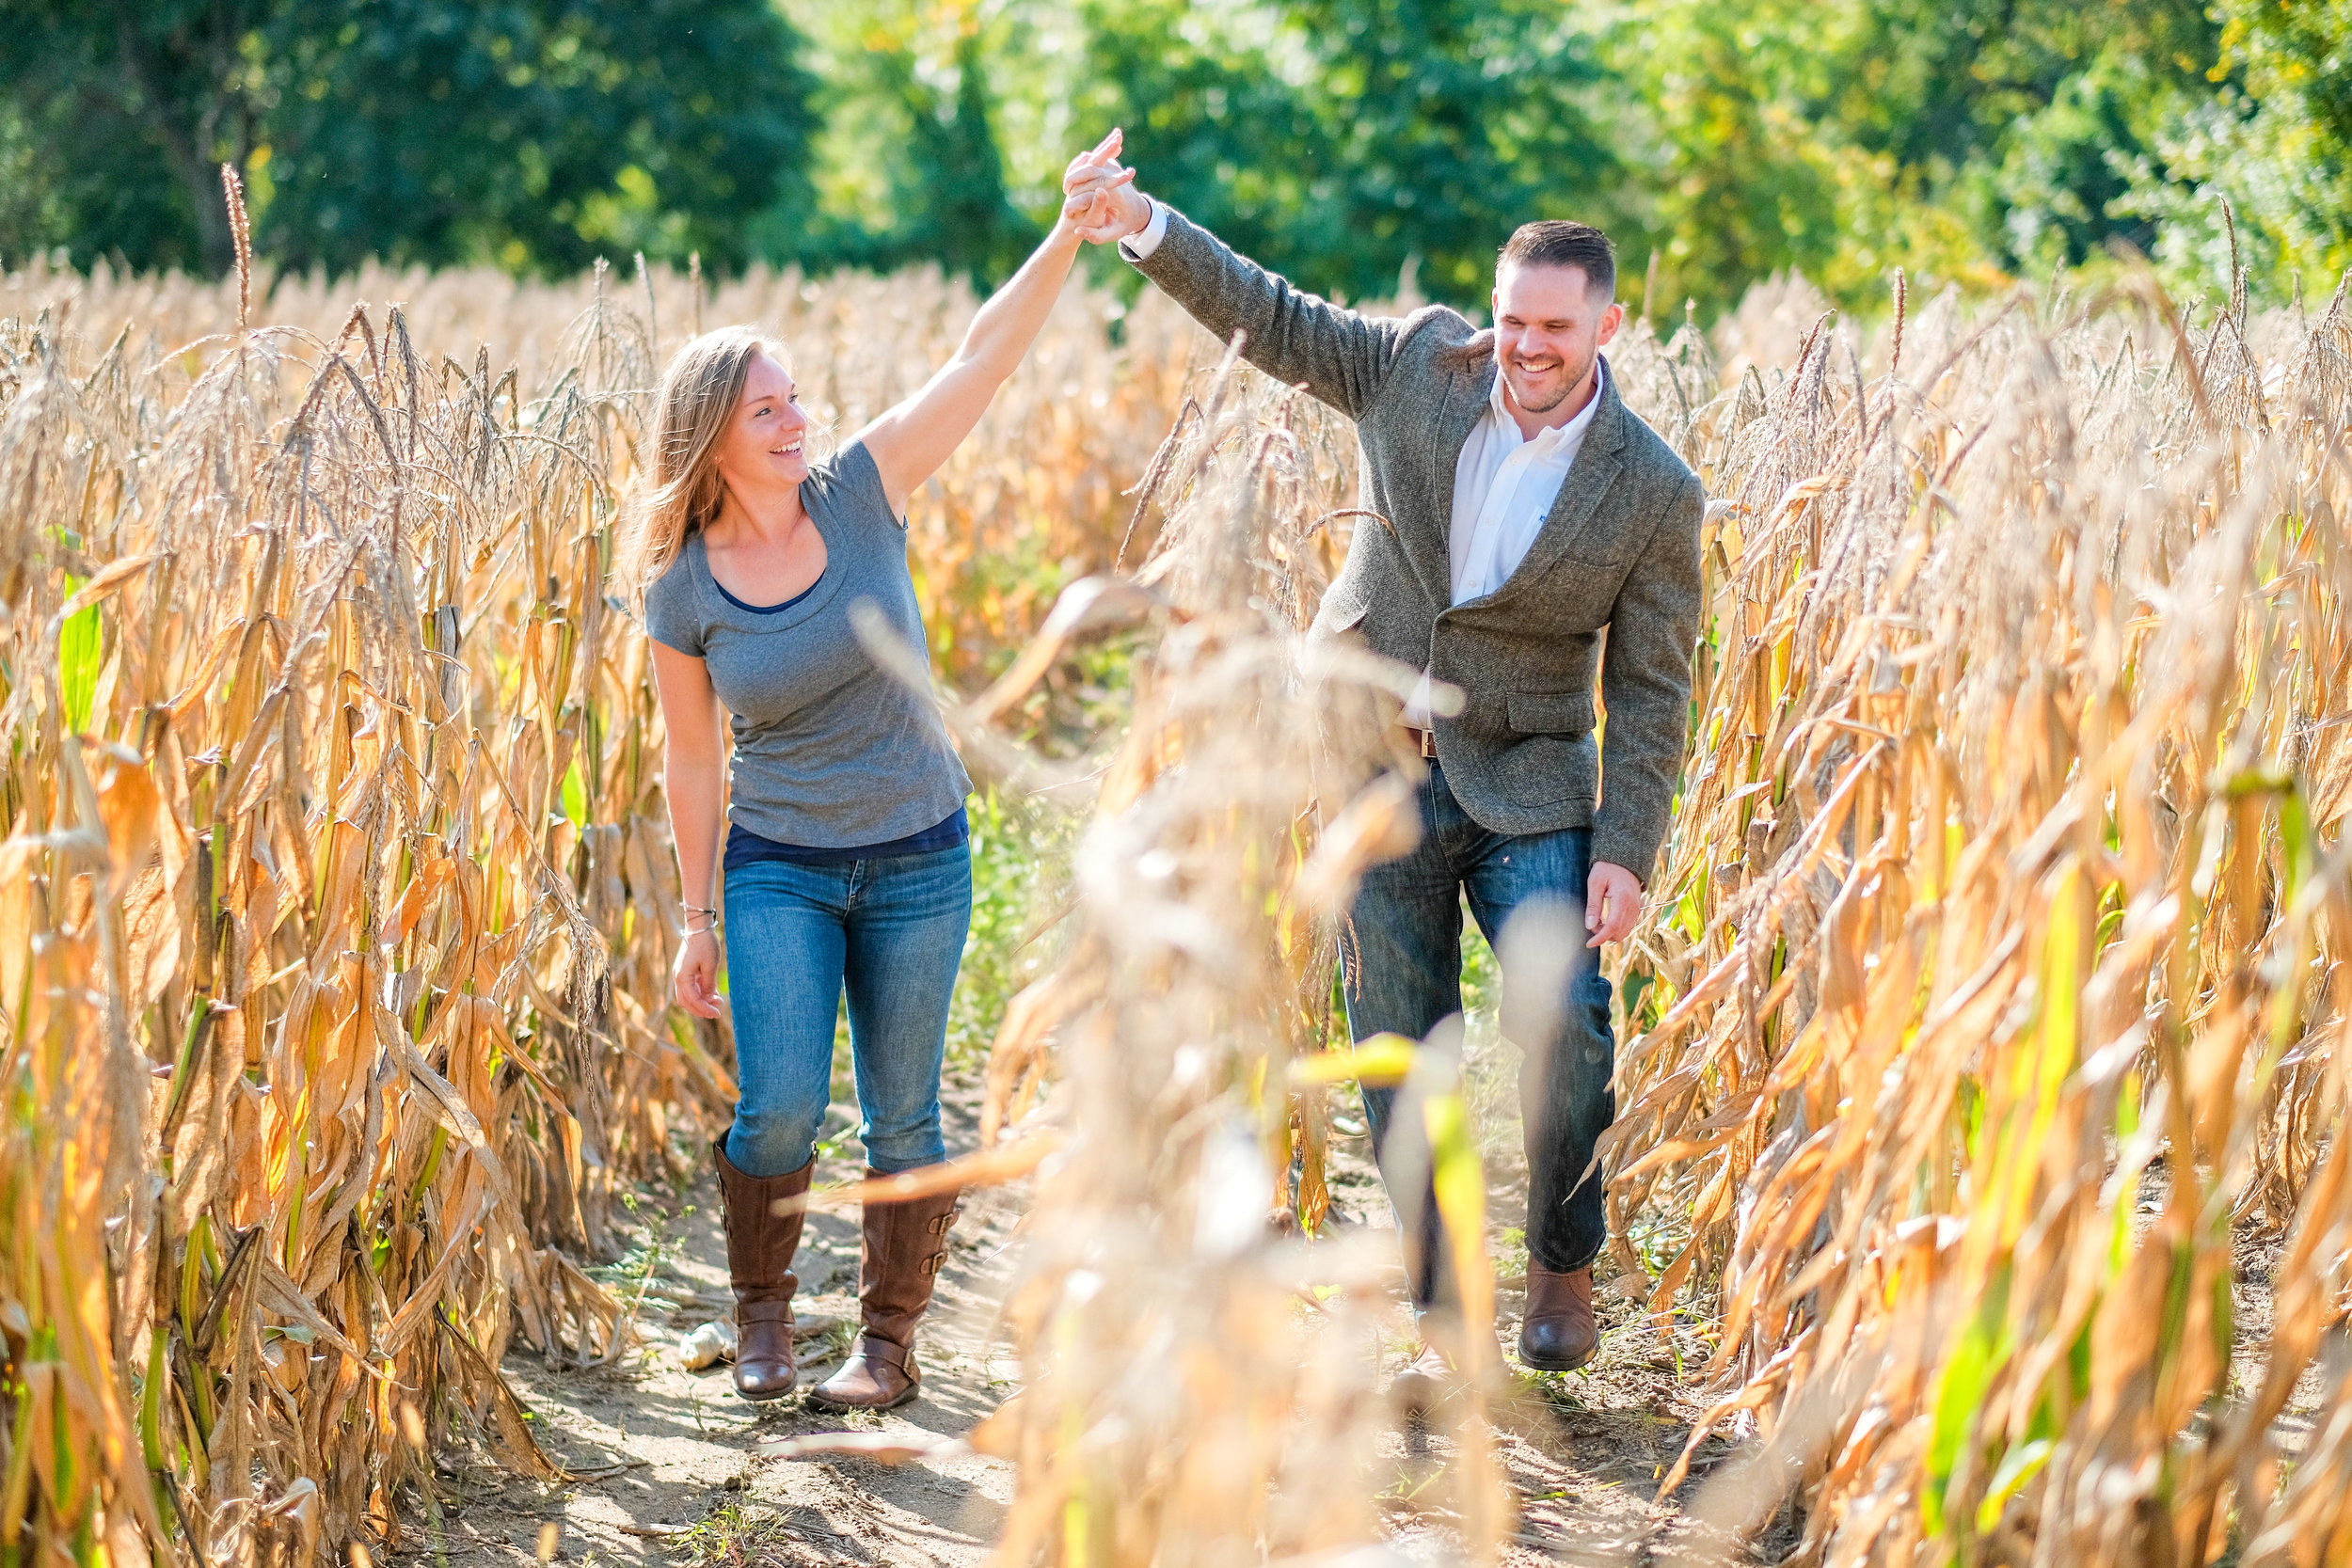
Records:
x=760, y=1245
x=1557, y=1333
x=905, y=1247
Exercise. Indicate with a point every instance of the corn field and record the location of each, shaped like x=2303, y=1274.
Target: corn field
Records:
x=338, y=894
x=1986, y=1002
x=1997, y=966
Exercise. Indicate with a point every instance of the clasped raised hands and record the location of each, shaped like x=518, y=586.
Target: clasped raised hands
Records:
x=1099, y=197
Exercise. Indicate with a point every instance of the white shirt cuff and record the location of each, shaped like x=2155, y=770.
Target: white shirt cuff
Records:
x=1139, y=246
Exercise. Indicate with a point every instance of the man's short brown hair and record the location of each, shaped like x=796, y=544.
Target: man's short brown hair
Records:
x=1559, y=243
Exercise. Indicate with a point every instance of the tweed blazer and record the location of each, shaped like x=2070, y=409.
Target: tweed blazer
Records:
x=1619, y=552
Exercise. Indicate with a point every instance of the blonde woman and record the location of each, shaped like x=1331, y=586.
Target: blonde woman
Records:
x=846, y=866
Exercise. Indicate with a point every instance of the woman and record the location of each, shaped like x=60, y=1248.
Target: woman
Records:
x=847, y=857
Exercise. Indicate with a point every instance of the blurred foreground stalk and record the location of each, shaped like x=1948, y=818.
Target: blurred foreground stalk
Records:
x=1200, y=1390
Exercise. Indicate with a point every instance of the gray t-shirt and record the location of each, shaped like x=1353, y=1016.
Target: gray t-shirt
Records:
x=829, y=752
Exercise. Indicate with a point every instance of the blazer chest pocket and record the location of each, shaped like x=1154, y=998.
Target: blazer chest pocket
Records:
x=1550, y=712
x=1594, y=568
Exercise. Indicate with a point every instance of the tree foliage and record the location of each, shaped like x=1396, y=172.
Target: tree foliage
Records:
x=940, y=161
x=1356, y=138
x=2285, y=141
x=1971, y=140
x=1346, y=142
x=535, y=134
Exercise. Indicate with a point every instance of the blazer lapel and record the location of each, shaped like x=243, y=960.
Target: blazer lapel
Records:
x=1467, y=393
x=1570, y=520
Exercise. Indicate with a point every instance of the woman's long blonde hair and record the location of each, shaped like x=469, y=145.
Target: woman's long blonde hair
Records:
x=683, y=492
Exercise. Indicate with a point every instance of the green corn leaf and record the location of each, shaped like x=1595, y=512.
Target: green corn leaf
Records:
x=574, y=793
x=151, y=1401
x=1376, y=1059
x=1983, y=1351
x=1459, y=1180
x=2017, y=1467
x=79, y=652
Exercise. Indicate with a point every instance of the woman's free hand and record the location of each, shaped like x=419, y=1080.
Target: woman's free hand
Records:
x=694, y=979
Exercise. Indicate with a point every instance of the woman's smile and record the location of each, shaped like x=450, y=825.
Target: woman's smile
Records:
x=768, y=444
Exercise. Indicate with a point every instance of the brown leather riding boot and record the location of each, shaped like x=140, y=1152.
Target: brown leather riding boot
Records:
x=906, y=1246
x=1557, y=1333
x=760, y=1245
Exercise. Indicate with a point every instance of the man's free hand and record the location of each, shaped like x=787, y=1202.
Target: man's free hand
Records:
x=1113, y=209
x=1613, y=902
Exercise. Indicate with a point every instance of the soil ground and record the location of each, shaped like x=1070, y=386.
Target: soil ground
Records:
x=704, y=1483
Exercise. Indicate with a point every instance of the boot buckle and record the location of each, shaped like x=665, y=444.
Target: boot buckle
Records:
x=933, y=1264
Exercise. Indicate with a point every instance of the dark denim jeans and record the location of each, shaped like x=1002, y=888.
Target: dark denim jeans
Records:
x=1403, y=961
x=891, y=931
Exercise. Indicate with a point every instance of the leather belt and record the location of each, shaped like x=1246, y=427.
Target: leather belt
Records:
x=1423, y=741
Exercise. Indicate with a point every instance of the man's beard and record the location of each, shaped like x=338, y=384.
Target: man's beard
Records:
x=1572, y=377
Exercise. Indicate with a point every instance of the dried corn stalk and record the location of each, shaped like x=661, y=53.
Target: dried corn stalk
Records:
x=1995, y=982
x=336, y=898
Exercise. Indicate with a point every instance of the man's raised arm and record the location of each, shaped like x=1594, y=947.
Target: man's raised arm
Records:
x=1342, y=355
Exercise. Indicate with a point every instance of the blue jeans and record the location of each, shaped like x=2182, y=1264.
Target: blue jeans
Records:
x=1402, y=956
x=891, y=931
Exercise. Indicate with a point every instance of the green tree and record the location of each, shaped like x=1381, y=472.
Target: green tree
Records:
x=122, y=116
x=1741, y=192
x=947, y=200
x=1441, y=125
x=534, y=134
x=1212, y=127
x=2032, y=119
x=1970, y=139
x=2277, y=139
x=1353, y=137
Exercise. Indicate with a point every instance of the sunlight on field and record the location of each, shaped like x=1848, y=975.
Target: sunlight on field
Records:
x=1987, y=995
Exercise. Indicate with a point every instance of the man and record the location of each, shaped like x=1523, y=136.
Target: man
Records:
x=1530, y=511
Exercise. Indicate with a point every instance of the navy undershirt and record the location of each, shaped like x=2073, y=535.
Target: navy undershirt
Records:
x=766, y=609
x=745, y=847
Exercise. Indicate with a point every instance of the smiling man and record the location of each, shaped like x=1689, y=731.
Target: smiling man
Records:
x=1529, y=513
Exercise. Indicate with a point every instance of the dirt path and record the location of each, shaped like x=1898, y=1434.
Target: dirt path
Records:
x=707, y=1485
x=704, y=1478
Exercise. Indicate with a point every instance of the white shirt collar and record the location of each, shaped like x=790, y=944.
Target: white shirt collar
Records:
x=1556, y=435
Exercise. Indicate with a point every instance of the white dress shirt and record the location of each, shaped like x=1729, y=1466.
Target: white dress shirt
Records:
x=1504, y=483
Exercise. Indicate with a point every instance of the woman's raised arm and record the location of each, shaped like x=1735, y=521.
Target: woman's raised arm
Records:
x=910, y=441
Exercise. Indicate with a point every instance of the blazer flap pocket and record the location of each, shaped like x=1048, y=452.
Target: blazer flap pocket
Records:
x=1342, y=609
x=1551, y=712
